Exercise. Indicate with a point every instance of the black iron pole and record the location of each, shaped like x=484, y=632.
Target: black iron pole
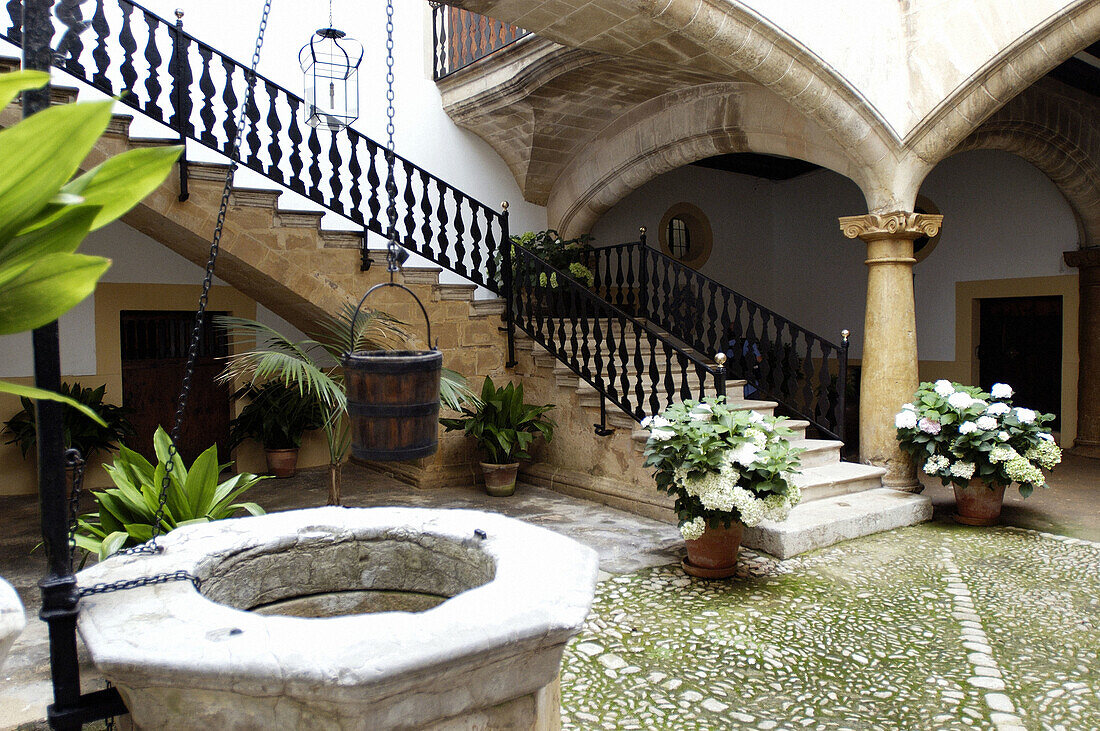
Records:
x=506, y=279
x=179, y=99
x=59, y=592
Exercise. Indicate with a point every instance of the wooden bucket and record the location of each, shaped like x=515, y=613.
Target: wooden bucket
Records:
x=393, y=398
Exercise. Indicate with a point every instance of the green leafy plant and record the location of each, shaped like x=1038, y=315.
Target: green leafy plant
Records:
x=503, y=425
x=961, y=433
x=89, y=436
x=276, y=415
x=45, y=213
x=127, y=511
x=311, y=365
x=567, y=255
x=722, y=465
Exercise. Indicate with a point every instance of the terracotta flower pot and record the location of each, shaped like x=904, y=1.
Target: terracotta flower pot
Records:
x=500, y=479
x=714, y=554
x=978, y=504
x=282, y=462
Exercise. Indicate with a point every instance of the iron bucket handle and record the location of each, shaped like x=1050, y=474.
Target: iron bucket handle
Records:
x=355, y=317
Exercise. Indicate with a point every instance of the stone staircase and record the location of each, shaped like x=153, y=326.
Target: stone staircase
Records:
x=841, y=500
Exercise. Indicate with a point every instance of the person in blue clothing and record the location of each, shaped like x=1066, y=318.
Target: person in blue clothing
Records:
x=750, y=358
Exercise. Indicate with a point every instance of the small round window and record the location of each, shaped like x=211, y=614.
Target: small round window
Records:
x=685, y=234
x=679, y=238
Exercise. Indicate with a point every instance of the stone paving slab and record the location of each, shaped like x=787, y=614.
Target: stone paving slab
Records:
x=928, y=627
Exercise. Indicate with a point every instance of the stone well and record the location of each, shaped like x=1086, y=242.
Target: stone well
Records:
x=12, y=620
x=295, y=624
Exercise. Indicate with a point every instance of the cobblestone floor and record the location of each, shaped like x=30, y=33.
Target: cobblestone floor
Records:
x=929, y=627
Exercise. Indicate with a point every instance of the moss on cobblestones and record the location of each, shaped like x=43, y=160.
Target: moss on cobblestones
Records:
x=868, y=634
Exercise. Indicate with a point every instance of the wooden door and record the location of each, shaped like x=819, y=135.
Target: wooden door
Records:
x=154, y=353
x=1020, y=344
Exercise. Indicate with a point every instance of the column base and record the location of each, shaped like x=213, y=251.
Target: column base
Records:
x=904, y=484
x=1085, y=448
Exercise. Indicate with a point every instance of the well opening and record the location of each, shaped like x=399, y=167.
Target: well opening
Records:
x=322, y=574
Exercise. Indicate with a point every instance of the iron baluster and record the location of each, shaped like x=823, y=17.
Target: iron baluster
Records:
x=229, y=98
x=443, y=245
x=374, y=203
x=274, y=126
x=356, y=187
x=252, y=114
x=426, y=233
x=152, y=81
x=102, y=60
x=460, y=231
x=477, y=259
x=842, y=387
x=334, y=179
x=70, y=48
x=129, y=48
x=15, y=14
x=206, y=87
x=294, y=131
x=314, y=145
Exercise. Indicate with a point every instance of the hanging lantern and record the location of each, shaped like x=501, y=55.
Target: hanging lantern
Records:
x=330, y=62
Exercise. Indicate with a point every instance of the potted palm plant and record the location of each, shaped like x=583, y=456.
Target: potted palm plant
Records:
x=727, y=469
x=276, y=415
x=504, y=427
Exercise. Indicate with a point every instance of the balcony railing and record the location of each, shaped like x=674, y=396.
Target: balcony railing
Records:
x=461, y=37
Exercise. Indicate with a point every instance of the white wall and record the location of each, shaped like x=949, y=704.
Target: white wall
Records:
x=780, y=243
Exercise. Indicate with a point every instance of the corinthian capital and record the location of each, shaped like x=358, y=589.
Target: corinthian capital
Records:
x=895, y=225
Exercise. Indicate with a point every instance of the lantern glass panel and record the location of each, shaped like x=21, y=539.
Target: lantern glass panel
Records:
x=330, y=64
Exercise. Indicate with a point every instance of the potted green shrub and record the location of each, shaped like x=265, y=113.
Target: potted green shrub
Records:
x=127, y=511
x=82, y=432
x=978, y=443
x=727, y=469
x=276, y=415
x=504, y=427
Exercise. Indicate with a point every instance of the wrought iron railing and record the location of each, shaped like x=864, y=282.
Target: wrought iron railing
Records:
x=461, y=37
x=628, y=364
x=157, y=68
x=783, y=361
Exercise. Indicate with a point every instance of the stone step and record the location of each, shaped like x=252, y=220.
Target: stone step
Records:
x=819, y=523
x=818, y=452
x=839, y=478
x=456, y=292
x=254, y=197
x=119, y=126
x=488, y=308
x=153, y=141
x=331, y=239
x=421, y=275
x=298, y=219
x=207, y=172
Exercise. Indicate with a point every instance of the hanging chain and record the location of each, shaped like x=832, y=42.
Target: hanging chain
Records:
x=393, y=254
x=197, y=330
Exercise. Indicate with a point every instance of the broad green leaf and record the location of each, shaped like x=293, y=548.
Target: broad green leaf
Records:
x=252, y=508
x=87, y=543
x=42, y=394
x=112, y=543
x=193, y=521
x=62, y=235
x=13, y=83
x=140, y=532
x=202, y=482
x=121, y=182
x=48, y=289
x=40, y=154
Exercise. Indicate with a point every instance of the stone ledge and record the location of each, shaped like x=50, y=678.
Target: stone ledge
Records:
x=640, y=500
x=822, y=523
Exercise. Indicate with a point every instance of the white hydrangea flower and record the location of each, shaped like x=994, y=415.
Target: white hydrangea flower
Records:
x=1003, y=436
x=693, y=529
x=943, y=387
x=746, y=454
x=936, y=464
x=1001, y=390
x=661, y=435
x=1020, y=470
x=963, y=469
x=908, y=407
x=968, y=427
x=1047, y=454
x=655, y=422
x=1026, y=416
x=758, y=436
x=756, y=417
x=986, y=423
x=960, y=400
x=702, y=412
x=905, y=420
x=1002, y=454
x=998, y=409
x=1046, y=437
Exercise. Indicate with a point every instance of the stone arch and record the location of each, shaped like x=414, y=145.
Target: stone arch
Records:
x=1016, y=69
x=1044, y=127
x=679, y=128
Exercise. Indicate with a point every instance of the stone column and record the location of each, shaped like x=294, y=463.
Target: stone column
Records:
x=889, y=367
x=1087, y=261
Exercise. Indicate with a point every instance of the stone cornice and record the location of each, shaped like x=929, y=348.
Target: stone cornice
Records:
x=894, y=225
x=1083, y=258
